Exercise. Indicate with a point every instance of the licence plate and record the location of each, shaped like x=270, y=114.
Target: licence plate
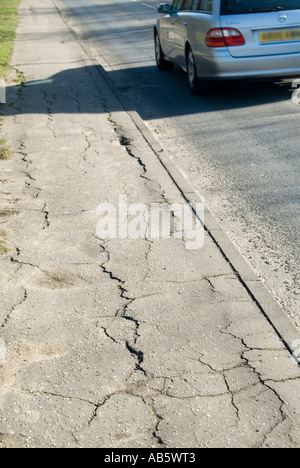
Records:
x=280, y=36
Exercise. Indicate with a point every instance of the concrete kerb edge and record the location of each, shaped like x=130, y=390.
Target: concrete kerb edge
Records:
x=280, y=322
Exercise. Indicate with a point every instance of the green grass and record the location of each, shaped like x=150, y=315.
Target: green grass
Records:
x=8, y=24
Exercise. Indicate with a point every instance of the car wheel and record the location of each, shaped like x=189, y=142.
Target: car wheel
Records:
x=162, y=63
x=194, y=82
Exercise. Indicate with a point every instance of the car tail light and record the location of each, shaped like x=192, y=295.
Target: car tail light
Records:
x=224, y=37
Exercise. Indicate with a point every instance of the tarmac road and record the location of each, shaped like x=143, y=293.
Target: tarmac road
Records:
x=238, y=145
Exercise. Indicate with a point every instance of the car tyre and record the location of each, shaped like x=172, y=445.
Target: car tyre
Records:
x=162, y=63
x=194, y=82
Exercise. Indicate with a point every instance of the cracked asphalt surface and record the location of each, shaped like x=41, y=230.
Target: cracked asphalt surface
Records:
x=125, y=342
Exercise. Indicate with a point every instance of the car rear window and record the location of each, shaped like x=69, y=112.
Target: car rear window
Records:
x=237, y=7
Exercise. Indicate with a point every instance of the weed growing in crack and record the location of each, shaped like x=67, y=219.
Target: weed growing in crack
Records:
x=3, y=247
x=5, y=151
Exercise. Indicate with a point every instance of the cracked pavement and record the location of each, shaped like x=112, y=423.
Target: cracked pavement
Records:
x=125, y=342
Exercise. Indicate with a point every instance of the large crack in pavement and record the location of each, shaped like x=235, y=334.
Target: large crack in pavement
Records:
x=123, y=313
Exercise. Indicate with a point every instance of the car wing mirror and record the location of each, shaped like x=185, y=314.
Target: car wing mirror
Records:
x=166, y=9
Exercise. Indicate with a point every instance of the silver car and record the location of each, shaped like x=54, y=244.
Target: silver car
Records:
x=229, y=39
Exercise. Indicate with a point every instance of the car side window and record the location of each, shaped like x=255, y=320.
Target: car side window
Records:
x=187, y=6
x=193, y=5
x=177, y=4
x=202, y=5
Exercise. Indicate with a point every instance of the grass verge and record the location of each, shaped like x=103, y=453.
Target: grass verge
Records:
x=8, y=24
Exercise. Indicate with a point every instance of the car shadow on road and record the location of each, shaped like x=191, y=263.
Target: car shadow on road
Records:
x=153, y=94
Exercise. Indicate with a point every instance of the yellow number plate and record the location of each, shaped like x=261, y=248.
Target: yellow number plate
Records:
x=280, y=36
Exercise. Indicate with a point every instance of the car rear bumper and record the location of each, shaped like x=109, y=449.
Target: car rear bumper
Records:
x=221, y=65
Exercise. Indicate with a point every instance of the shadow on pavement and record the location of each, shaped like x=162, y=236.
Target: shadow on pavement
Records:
x=80, y=90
